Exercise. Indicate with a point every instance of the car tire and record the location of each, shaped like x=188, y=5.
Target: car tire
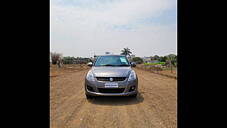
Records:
x=89, y=97
x=134, y=95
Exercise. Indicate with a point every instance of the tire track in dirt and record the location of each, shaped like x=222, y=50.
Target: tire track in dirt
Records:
x=59, y=96
x=70, y=100
x=65, y=87
x=96, y=116
x=72, y=104
x=124, y=118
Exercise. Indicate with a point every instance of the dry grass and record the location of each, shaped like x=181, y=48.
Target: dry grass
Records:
x=165, y=72
x=67, y=68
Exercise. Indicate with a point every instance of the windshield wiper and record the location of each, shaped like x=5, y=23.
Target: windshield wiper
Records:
x=108, y=65
x=115, y=65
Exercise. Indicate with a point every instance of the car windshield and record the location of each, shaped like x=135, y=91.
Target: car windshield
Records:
x=111, y=61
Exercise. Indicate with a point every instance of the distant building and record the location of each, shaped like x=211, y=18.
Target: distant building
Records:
x=133, y=56
x=148, y=60
x=154, y=61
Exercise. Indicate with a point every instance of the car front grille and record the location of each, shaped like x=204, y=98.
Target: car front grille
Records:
x=111, y=90
x=108, y=78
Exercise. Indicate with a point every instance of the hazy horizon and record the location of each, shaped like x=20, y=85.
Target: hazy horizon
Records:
x=82, y=28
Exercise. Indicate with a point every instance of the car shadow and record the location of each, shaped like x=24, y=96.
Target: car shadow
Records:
x=116, y=100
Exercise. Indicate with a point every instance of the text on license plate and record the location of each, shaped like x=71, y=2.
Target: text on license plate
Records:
x=111, y=85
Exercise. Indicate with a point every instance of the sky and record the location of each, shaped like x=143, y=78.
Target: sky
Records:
x=82, y=28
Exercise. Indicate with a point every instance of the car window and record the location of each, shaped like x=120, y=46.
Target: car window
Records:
x=111, y=61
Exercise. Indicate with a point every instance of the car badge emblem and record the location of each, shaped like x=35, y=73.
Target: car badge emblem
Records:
x=111, y=79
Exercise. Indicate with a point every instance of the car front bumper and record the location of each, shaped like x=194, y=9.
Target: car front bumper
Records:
x=96, y=85
x=111, y=94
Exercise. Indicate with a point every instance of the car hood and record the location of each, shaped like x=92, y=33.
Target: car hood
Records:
x=111, y=71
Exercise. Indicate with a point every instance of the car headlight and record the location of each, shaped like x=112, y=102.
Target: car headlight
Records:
x=90, y=76
x=132, y=76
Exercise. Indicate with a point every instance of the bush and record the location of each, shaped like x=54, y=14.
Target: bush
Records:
x=68, y=60
x=138, y=60
x=162, y=63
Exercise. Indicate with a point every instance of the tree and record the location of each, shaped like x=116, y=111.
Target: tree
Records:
x=55, y=57
x=171, y=58
x=126, y=52
x=156, y=57
x=162, y=59
x=138, y=60
x=68, y=60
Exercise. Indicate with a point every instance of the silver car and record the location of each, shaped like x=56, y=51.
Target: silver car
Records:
x=111, y=75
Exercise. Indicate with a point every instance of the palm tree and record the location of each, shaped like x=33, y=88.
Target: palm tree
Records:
x=126, y=52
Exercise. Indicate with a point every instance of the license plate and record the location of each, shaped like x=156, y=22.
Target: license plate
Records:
x=111, y=85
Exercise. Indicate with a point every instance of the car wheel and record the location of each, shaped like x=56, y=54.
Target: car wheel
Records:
x=134, y=95
x=89, y=97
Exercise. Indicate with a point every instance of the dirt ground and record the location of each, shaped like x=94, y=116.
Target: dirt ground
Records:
x=154, y=107
x=65, y=69
x=164, y=72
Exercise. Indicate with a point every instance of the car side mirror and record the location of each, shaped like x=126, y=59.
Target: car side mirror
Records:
x=133, y=64
x=90, y=64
